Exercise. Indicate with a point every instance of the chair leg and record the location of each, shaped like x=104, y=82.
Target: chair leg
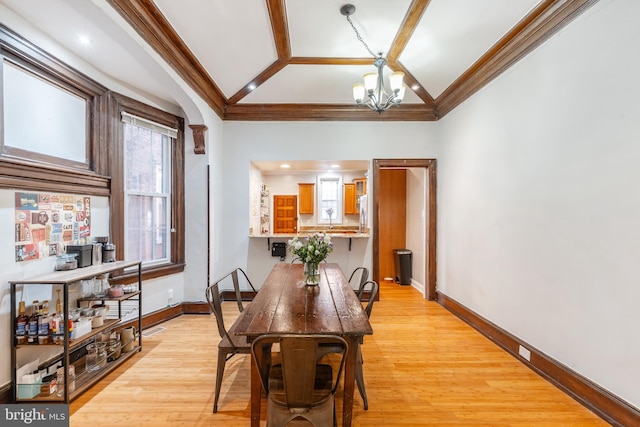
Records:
x=360, y=380
x=222, y=360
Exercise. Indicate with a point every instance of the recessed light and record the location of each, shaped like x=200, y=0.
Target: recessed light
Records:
x=251, y=86
x=84, y=40
x=335, y=166
x=415, y=87
x=285, y=166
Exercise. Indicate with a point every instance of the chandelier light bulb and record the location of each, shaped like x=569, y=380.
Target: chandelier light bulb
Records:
x=395, y=81
x=370, y=81
x=358, y=92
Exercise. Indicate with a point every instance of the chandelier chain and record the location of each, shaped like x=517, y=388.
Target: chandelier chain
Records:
x=360, y=38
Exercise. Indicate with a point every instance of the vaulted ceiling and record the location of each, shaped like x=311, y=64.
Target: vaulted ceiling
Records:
x=297, y=59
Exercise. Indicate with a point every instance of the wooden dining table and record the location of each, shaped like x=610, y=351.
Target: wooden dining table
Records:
x=286, y=305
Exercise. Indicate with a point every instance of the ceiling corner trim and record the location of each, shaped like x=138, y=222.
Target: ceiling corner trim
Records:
x=538, y=26
x=153, y=27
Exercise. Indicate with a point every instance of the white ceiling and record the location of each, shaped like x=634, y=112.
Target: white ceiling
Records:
x=234, y=42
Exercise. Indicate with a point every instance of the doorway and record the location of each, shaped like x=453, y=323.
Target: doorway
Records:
x=380, y=198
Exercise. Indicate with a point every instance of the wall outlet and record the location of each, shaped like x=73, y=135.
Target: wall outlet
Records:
x=524, y=353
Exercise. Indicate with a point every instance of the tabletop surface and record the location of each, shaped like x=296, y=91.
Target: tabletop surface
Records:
x=285, y=304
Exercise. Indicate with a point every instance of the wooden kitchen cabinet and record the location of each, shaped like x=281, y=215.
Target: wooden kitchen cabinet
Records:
x=306, y=195
x=361, y=190
x=350, y=199
x=361, y=186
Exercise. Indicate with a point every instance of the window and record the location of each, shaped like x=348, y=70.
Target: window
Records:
x=147, y=191
x=147, y=194
x=53, y=123
x=329, y=200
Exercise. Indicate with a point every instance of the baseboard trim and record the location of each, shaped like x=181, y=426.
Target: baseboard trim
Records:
x=606, y=405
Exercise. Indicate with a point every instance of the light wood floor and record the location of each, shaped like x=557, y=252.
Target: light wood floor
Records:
x=423, y=367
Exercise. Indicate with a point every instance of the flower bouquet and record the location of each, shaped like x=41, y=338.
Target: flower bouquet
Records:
x=315, y=250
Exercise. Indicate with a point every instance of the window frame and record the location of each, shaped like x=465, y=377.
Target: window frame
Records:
x=165, y=195
x=38, y=172
x=339, y=198
x=121, y=103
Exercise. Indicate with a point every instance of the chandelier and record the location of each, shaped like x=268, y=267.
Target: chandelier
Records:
x=373, y=87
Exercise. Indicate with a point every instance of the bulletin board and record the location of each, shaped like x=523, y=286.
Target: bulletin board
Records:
x=46, y=222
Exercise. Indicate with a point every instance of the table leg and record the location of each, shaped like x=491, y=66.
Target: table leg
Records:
x=349, y=380
x=256, y=390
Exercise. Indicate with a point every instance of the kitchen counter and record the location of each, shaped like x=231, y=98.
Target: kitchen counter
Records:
x=337, y=234
x=346, y=235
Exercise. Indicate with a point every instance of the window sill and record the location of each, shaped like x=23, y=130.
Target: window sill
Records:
x=149, y=273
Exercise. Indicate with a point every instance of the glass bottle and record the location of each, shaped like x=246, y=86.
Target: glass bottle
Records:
x=60, y=381
x=32, y=334
x=57, y=322
x=43, y=324
x=22, y=321
x=58, y=303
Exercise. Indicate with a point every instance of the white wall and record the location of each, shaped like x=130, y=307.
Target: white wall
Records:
x=244, y=142
x=539, y=208
x=416, y=221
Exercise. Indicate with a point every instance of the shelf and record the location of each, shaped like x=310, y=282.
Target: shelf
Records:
x=84, y=383
x=84, y=380
x=68, y=276
x=107, y=298
x=75, y=343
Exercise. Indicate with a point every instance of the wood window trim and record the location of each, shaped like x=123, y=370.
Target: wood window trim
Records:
x=37, y=172
x=118, y=104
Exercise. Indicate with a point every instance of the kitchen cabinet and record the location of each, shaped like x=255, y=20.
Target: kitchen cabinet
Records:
x=306, y=196
x=361, y=190
x=67, y=348
x=361, y=186
x=350, y=200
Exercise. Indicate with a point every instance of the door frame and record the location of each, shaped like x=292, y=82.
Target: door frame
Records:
x=430, y=226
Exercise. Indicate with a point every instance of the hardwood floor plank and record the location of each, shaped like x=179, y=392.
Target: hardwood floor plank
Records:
x=423, y=367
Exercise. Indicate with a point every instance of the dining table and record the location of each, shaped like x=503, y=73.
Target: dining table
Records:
x=284, y=304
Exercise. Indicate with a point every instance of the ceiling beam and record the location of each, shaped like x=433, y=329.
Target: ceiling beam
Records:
x=308, y=60
x=327, y=112
x=257, y=81
x=408, y=26
x=280, y=28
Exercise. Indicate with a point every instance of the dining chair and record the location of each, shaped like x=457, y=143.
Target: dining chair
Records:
x=298, y=386
x=369, y=288
x=372, y=287
x=236, y=285
x=364, y=275
x=229, y=344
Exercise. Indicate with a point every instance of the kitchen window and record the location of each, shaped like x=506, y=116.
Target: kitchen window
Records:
x=329, y=200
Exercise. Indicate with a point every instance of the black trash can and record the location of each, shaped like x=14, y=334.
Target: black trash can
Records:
x=403, y=261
